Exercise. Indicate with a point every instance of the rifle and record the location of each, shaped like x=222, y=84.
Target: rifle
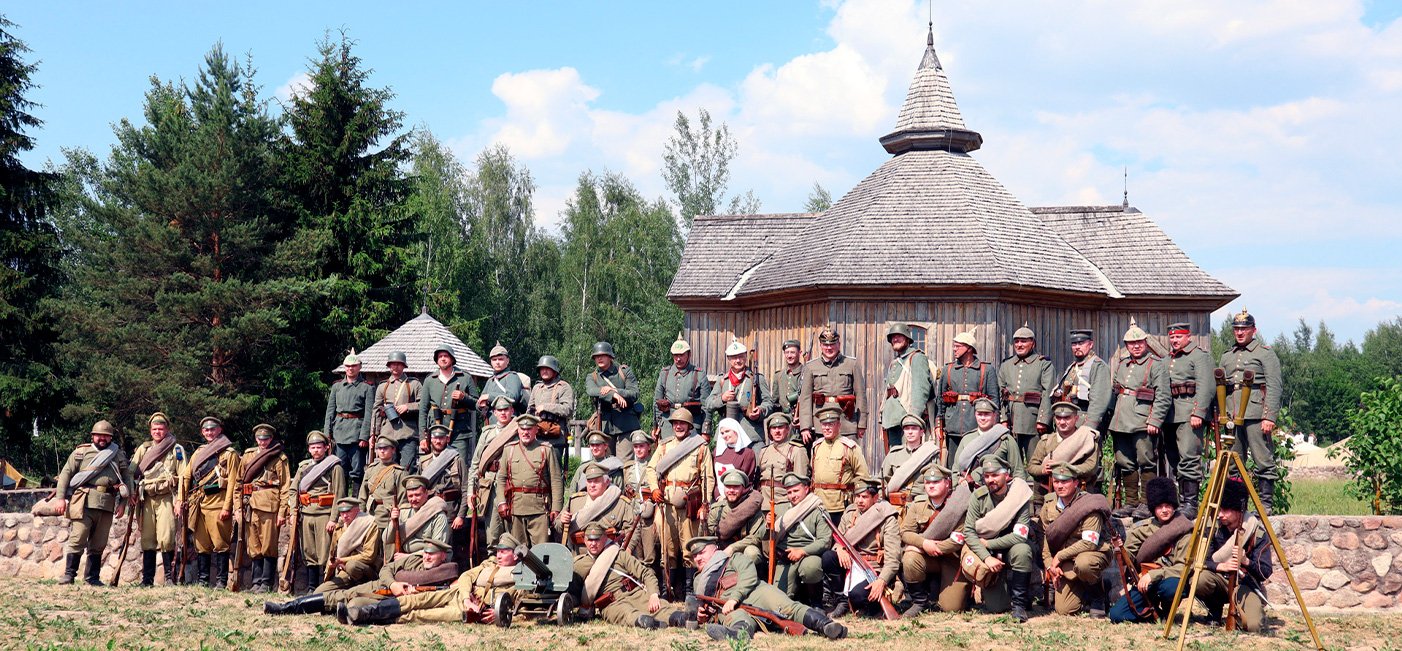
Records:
x=754, y=376
x=472, y=531
x=662, y=541
x=637, y=519
x=398, y=533
x=126, y=543
x=769, y=522
x=859, y=563
x=1129, y=574
x=386, y=592
x=1233, y=612
x=789, y=626
x=287, y=578
x=240, y=541
x=944, y=446
x=182, y=543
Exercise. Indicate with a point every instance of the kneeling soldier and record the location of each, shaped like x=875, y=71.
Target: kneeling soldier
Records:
x=1158, y=548
x=1074, y=551
x=907, y=461
x=802, y=533
x=932, y=535
x=997, y=527
x=737, y=517
x=423, y=516
x=619, y=587
x=96, y=486
x=870, y=526
x=468, y=600
x=355, y=548
x=1240, y=545
x=734, y=581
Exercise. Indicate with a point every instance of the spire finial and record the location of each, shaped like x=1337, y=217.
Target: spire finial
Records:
x=1126, y=202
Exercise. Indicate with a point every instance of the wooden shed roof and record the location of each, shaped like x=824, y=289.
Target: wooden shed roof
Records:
x=417, y=339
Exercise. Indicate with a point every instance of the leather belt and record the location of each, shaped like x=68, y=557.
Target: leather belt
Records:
x=534, y=490
x=833, y=487
x=319, y=499
x=349, y=414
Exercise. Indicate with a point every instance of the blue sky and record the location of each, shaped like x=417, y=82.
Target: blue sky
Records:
x=1262, y=135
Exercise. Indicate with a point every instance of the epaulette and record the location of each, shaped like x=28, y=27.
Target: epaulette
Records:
x=847, y=441
x=252, y=449
x=578, y=493
x=981, y=491
x=305, y=463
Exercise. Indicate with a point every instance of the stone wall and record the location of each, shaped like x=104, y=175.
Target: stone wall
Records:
x=1340, y=562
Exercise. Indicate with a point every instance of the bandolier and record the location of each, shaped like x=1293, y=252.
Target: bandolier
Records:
x=156, y=470
x=265, y=484
x=208, y=494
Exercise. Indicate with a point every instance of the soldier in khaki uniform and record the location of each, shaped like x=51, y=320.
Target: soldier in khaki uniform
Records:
x=679, y=384
x=837, y=463
x=908, y=382
x=905, y=463
x=1191, y=385
x=736, y=517
x=740, y=393
x=618, y=587
x=599, y=455
x=96, y=486
x=802, y=533
x=382, y=489
x=552, y=401
x=1025, y=384
x=1159, y=547
x=349, y=412
x=601, y=502
x=964, y=382
x=468, y=600
x=788, y=384
x=988, y=437
x=1069, y=443
x=320, y=481
x=396, y=413
x=872, y=526
x=208, y=491
x=1141, y=402
x=156, y=467
x=266, y=487
x=734, y=579
x=1249, y=353
x=930, y=546
x=997, y=529
x=421, y=516
x=644, y=543
x=832, y=377
x=1075, y=551
x=356, y=549
x=482, y=473
x=780, y=457
x=1239, y=545
x=446, y=474
x=613, y=388
x=680, y=478
x=529, y=487
x=428, y=565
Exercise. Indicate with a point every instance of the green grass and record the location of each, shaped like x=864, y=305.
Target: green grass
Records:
x=1325, y=497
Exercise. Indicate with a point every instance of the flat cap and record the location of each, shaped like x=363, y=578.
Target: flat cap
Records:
x=777, y=419
x=347, y=503
x=698, y=544
x=315, y=436
x=791, y=343
x=1180, y=329
x=1065, y=409
x=439, y=429
x=641, y=437
x=912, y=419
x=209, y=421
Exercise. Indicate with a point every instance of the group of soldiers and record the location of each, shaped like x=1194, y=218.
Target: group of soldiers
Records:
x=991, y=487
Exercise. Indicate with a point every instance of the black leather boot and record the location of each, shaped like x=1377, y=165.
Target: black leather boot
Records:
x=148, y=568
x=168, y=566
x=219, y=571
x=202, y=562
x=308, y=605
x=1017, y=593
x=817, y=621
x=919, y=592
x=255, y=576
x=93, y=570
x=648, y=622
x=677, y=619
x=737, y=631
x=314, y=575
x=70, y=568
x=1265, y=488
x=1188, y=498
x=385, y=611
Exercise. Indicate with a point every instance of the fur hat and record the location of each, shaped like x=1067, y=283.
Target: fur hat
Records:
x=1160, y=490
x=1234, y=495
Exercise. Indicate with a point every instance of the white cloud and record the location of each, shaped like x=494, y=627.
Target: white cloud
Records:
x=1348, y=300
x=543, y=110
x=298, y=84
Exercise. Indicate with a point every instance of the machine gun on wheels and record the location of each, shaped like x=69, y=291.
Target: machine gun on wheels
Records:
x=543, y=579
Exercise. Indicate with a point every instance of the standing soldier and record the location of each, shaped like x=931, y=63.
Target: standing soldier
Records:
x=997, y=530
x=504, y=382
x=349, y=411
x=1025, y=383
x=1075, y=549
x=382, y=490
x=680, y=478
x=871, y=525
x=908, y=382
x=320, y=482
x=529, y=486
x=964, y=381
x=1191, y=384
x=210, y=483
x=1069, y=443
x=1141, y=404
x=446, y=475
x=741, y=394
x=397, y=410
x=832, y=377
x=1086, y=384
x=599, y=502
x=482, y=472
x=598, y=455
x=679, y=384
x=779, y=458
x=801, y=534
x=644, y=543
x=906, y=462
x=1248, y=353
x=447, y=399
x=932, y=533
x=157, y=474
x=788, y=384
x=837, y=462
x=614, y=390
x=552, y=401
x=96, y=486
x=266, y=484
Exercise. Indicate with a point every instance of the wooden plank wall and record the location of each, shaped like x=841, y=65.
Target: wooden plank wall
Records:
x=863, y=324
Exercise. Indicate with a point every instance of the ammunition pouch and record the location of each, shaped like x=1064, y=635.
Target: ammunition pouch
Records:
x=898, y=498
x=1183, y=390
x=324, y=500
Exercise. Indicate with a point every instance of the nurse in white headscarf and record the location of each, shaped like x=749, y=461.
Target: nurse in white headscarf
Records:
x=733, y=450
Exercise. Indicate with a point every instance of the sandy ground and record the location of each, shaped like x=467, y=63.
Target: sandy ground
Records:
x=43, y=615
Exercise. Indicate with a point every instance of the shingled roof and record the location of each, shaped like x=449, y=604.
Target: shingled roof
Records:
x=930, y=216
x=417, y=339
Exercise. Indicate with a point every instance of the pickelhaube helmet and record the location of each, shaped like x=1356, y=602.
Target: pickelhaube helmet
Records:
x=1243, y=319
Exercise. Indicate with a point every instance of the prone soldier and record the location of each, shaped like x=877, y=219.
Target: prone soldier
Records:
x=96, y=486
x=157, y=475
x=266, y=485
x=208, y=488
x=734, y=580
x=427, y=566
x=468, y=600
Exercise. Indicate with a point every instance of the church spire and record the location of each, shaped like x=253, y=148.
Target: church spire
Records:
x=930, y=118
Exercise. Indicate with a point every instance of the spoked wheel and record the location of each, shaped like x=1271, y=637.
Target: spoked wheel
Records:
x=564, y=609
x=502, y=610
